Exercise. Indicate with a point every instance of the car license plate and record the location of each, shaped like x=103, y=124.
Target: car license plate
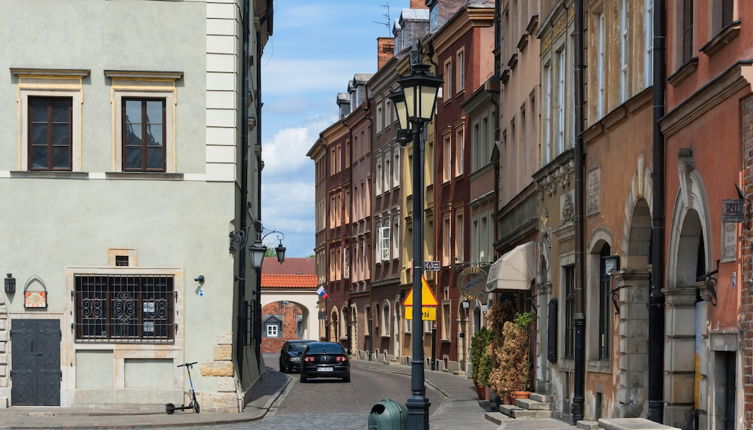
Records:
x=326, y=369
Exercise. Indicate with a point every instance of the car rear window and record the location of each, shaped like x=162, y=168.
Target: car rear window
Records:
x=325, y=348
x=297, y=347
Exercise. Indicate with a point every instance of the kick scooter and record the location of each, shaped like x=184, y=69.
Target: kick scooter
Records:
x=193, y=404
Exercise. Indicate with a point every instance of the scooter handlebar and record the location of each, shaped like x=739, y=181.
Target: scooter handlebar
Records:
x=187, y=364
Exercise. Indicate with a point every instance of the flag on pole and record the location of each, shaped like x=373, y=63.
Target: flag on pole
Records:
x=323, y=294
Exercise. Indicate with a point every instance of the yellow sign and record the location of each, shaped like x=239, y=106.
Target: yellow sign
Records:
x=427, y=297
x=427, y=313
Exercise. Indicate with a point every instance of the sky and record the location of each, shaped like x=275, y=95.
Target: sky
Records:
x=316, y=48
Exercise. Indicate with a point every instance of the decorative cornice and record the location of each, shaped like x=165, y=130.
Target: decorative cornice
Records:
x=453, y=30
x=143, y=74
x=737, y=77
x=42, y=73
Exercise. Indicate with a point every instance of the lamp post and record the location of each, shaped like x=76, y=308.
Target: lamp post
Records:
x=414, y=104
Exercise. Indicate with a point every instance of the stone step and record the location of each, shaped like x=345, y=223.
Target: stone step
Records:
x=588, y=425
x=527, y=414
x=631, y=424
x=496, y=417
x=543, y=398
x=509, y=409
x=533, y=405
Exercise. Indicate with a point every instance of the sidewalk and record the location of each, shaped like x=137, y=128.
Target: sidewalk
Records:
x=262, y=398
x=461, y=409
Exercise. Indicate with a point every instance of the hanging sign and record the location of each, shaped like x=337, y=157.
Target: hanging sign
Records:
x=472, y=282
x=732, y=210
x=35, y=294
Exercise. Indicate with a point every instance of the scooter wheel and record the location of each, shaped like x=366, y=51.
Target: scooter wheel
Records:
x=169, y=408
x=196, y=407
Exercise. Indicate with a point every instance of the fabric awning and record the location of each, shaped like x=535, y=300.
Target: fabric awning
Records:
x=513, y=271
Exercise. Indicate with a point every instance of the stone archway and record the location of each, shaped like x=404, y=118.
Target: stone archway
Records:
x=289, y=320
x=686, y=352
x=334, y=322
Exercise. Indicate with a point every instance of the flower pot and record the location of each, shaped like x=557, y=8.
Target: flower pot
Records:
x=521, y=394
x=481, y=392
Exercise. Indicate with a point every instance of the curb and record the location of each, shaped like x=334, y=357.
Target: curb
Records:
x=241, y=418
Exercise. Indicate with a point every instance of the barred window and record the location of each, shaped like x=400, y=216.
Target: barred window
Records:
x=124, y=308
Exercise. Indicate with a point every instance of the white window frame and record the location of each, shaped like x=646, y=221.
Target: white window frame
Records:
x=346, y=262
x=383, y=242
x=273, y=333
x=648, y=34
x=460, y=75
x=446, y=157
x=447, y=80
x=624, y=47
x=600, y=66
x=561, y=63
x=460, y=150
x=546, y=146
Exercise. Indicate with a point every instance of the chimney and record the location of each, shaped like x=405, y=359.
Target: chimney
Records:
x=385, y=50
x=418, y=4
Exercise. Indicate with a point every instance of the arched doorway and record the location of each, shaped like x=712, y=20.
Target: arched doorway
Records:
x=463, y=334
x=334, y=332
x=396, y=330
x=282, y=320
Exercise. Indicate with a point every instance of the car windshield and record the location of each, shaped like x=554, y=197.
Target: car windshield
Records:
x=297, y=347
x=325, y=348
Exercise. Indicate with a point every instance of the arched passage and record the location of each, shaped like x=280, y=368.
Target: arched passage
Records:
x=282, y=320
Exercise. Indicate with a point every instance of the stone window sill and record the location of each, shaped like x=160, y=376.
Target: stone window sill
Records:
x=48, y=174
x=725, y=36
x=683, y=72
x=157, y=176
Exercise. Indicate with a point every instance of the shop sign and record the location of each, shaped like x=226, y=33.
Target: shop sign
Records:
x=472, y=282
x=732, y=210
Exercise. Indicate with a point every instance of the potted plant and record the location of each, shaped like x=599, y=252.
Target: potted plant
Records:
x=481, y=361
x=510, y=377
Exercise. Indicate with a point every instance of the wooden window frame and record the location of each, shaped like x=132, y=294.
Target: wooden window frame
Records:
x=686, y=31
x=49, y=143
x=144, y=146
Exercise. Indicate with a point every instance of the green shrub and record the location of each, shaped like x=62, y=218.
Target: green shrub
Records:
x=481, y=360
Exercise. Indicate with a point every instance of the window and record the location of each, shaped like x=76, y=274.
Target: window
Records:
x=388, y=111
x=447, y=85
x=447, y=153
x=50, y=133
x=119, y=308
x=346, y=263
x=332, y=165
x=272, y=330
x=385, y=323
x=383, y=242
x=446, y=318
x=460, y=84
x=144, y=134
x=379, y=175
x=387, y=172
x=560, y=136
x=687, y=31
x=458, y=251
x=338, y=158
x=605, y=293
x=547, y=111
x=569, y=275
x=459, y=149
x=446, y=240
x=379, y=117
x=624, y=51
x=727, y=9
x=648, y=34
x=395, y=237
x=396, y=167
x=600, y=66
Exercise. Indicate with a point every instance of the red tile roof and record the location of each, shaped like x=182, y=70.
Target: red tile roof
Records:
x=287, y=281
x=291, y=266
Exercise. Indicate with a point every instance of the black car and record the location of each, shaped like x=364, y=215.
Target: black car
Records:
x=290, y=355
x=325, y=359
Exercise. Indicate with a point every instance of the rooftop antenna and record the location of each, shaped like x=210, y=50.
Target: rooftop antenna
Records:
x=388, y=21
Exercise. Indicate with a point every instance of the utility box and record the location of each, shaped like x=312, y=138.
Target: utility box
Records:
x=388, y=415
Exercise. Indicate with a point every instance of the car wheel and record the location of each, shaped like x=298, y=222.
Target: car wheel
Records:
x=283, y=369
x=304, y=379
x=346, y=379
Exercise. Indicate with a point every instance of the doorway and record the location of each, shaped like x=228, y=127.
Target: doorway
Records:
x=35, y=354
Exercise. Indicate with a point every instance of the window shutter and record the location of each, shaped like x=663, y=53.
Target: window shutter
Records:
x=551, y=344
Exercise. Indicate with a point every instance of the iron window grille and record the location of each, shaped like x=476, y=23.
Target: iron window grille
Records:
x=124, y=308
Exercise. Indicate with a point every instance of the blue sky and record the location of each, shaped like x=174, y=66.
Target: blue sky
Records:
x=317, y=46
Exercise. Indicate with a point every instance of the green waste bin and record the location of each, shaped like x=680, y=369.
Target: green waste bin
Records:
x=388, y=415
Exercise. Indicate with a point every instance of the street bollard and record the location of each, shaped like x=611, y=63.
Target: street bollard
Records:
x=388, y=415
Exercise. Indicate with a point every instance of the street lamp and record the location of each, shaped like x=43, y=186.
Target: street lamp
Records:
x=257, y=251
x=414, y=105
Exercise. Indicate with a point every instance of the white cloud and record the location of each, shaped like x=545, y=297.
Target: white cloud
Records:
x=286, y=151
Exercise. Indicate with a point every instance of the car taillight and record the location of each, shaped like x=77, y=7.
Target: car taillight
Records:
x=309, y=359
x=341, y=359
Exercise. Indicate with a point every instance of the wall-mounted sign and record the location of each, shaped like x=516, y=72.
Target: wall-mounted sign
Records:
x=732, y=210
x=35, y=294
x=322, y=315
x=472, y=282
x=432, y=266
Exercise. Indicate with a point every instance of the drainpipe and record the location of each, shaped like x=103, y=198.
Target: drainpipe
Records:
x=580, y=317
x=656, y=297
x=241, y=277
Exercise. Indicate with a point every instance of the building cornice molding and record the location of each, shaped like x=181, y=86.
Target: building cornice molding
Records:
x=467, y=20
x=143, y=74
x=737, y=77
x=46, y=73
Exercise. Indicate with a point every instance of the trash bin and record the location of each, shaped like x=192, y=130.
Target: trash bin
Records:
x=388, y=415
